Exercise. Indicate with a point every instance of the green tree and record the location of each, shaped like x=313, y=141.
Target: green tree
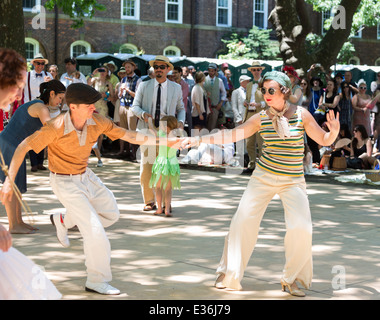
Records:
x=291, y=21
x=12, y=34
x=255, y=45
x=76, y=9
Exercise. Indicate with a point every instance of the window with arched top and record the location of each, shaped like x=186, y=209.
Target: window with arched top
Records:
x=377, y=62
x=172, y=51
x=79, y=47
x=354, y=61
x=32, y=47
x=128, y=48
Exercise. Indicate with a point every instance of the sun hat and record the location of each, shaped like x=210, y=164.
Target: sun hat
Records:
x=39, y=57
x=112, y=64
x=256, y=64
x=161, y=59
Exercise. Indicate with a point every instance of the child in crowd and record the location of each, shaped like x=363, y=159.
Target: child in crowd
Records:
x=165, y=170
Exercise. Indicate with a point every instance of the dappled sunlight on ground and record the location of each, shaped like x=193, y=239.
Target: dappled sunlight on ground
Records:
x=154, y=257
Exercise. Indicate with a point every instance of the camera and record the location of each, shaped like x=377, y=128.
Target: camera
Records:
x=102, y=70
x=317, y=65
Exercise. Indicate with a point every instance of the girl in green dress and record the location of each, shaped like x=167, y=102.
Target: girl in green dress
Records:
x=165, y=170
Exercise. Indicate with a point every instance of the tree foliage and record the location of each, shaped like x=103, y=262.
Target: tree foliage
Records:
x=255, y=45
x=291, y=21
x=77, y=10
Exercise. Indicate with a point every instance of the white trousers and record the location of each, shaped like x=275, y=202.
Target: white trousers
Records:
x=245, y=224
x=92, y=207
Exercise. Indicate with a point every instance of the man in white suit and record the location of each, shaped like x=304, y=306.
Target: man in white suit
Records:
x=154, y=99
x=238, y=98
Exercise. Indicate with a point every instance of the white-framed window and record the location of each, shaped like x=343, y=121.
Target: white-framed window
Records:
x=172, y=51
x=32, y=47
x=28, y=5
x=79, y=47
x=354, y=61
x=358, y=34
x=224, y=13
x=130, y=9
x=260, y=13
x=128, y=48
x=173, y=11
x=378, y=31
x=325, y=16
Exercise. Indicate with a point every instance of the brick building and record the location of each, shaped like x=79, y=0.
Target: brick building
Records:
x=171, y=27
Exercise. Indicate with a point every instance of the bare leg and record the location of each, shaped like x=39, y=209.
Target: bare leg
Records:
x=168, y=199
x=159, y=197
x=97, y=153
x=16, y=224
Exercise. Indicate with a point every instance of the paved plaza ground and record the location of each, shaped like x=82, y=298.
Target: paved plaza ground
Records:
x=158, y=258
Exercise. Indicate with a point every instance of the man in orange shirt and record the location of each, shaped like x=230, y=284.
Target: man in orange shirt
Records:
x=89, y=204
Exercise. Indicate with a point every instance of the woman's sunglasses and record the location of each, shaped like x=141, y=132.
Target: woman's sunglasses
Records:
x=271, y=91
x=362, y=88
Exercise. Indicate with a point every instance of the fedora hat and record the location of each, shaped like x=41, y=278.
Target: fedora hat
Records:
x=161, y=59
x=130, y=62
x=256, y=64
x=39, y=57
x=122, y=69
x=112, y=64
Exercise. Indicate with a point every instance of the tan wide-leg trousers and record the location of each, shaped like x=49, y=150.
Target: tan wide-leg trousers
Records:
x=245, y=224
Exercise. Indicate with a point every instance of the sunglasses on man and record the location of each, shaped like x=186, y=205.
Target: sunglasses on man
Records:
x=162, y=67
x=39, y=63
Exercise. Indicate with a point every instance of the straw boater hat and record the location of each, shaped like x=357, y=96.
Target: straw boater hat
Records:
x=111, y=64
x=39, y=57
x=161, y=59
x=122, y=69
x=256, y=64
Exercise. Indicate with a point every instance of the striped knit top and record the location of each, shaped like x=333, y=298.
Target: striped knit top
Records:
x=282, y=156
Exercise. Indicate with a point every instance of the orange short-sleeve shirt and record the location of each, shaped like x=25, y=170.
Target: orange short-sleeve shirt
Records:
x=69, y=149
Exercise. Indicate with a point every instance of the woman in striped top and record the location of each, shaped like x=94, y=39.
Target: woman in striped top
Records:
x=279, y=171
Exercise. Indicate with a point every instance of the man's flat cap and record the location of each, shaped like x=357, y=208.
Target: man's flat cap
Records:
x=80, y=93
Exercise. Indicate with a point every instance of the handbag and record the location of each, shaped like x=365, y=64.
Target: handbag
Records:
x=354, y=163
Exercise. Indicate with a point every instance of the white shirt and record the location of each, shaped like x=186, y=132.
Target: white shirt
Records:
x=67, y=82
x=164, y=94
x=34, y=82
x=237, y=102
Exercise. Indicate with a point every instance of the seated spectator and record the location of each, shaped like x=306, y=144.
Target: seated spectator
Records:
x=361, y=150
x=342, y=146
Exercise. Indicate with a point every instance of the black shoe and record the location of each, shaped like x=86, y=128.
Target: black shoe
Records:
x=247, y=171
